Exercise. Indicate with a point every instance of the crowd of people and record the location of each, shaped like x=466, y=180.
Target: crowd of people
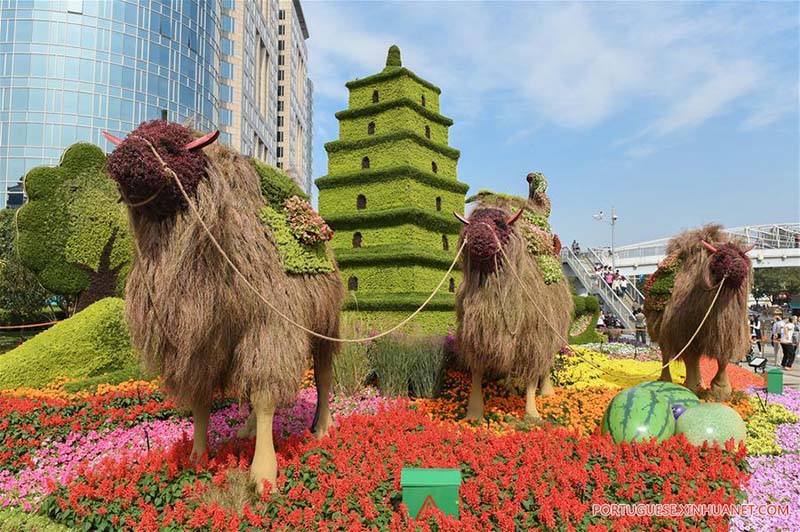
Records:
x=784, y=337
x=618, y=282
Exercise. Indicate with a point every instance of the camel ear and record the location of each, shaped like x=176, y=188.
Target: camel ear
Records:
x=203, y=141
x=708, y=246
x=461, y=218
x=513, y=219
x=111, y=138
x=530, y=178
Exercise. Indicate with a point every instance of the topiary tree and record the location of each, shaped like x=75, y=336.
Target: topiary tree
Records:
x=21, y=296
x=73, y=234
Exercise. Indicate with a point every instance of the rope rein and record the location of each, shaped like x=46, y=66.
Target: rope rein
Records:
x=272, y=307
x=566, y=341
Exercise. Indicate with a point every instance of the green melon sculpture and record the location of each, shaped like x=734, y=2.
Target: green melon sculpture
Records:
x=711, y=422
x=645, y=411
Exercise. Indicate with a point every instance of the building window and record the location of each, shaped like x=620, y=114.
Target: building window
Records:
x=371, y=128
x=228, y=25
x=423, y=100
x=281, y=29
x=434, y=168
x=365, y=163
x=452, y=287
x=356, y=239
x=445, y=243
x=352, y=283
x=428, y=132
x=280, y=105
x=280, y=60
x=374, y=96
x=280, y=90
x=281, y=14
x=75, y=7
x=439, y=203
x=164, y=114
x=280, y=75
x=361, y=202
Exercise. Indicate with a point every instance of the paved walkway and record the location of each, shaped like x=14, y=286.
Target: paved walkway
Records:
x=791, y=379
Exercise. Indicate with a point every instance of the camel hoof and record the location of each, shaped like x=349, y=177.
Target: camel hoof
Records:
x=322, y=428
x=719, y=394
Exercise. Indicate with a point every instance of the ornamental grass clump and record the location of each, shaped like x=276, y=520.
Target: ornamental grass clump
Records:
x=351, y=368
x=393, y=363
x=429, y=363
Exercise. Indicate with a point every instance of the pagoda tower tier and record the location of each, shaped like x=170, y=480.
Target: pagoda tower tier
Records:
x=390, y=192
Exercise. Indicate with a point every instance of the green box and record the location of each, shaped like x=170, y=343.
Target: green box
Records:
x=423, y=488
x=775, y=381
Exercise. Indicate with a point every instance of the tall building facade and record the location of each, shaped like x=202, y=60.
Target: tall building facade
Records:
x=70, y=69
x=294, y=133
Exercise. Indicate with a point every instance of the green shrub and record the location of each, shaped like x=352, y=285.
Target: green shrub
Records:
x=93, y=342
x=12, y=520
x=296, y=258
x=590, y=335
x=591, y=304
x=430, y=359
x=276, y=187
x=22, y=298
x=579, y=306
x=393, y=363
x=73, y=234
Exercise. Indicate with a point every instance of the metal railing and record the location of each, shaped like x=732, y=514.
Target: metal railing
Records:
x=768, y=236
x=596, y=285
x=633, y=293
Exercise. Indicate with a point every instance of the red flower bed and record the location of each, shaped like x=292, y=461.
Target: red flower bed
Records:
x=543, y=479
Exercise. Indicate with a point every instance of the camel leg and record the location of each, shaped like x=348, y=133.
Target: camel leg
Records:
x=546, y=386
x=323, y=378
x=693, y=379
x=666, y=376
x=201, y=412
x=265, y=463
x=720, y=385
x=530, y=401
x=475, y=405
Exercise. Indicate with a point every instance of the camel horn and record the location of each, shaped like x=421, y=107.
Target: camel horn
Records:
x=512, y=219
x=111, y=138
x=748, y=249
x=708, y=246
x=461, y=218
x=203, y=141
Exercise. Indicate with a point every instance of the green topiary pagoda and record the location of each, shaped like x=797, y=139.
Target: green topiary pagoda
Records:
x=390, y=192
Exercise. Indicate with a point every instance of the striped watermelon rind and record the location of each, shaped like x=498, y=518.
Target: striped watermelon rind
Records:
x=639, y=414
x=675, y=394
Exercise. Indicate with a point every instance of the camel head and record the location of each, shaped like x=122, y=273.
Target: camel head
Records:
x=144, y=182
x=537, y=193
x=486, y=230
x=729, y=260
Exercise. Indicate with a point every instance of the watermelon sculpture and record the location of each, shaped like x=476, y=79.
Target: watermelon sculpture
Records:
x=711, y=422
x=645, y=411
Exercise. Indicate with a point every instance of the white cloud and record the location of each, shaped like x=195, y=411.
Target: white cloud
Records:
x=572, y=66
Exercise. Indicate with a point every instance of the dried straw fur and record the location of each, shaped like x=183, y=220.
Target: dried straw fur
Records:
x=725, y=336
x=498, y=329
x=205, y=330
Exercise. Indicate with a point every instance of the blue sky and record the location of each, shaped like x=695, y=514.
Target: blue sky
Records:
x=677, y=114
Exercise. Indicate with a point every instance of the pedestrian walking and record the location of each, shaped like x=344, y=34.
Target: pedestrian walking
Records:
x=641, y=326
x=755, y=333
x=788, y=344
x=777, y=330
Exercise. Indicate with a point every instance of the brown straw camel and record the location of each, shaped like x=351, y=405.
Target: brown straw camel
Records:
x=499, y=331
x=679, y=294
x=191, y=317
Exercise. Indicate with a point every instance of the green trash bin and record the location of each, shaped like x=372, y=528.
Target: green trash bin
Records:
x=775, y=381
x=425, y=488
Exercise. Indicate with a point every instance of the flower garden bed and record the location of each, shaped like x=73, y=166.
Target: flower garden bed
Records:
x=118, y=459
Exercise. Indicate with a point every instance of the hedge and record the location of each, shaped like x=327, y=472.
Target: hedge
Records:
x=339, y=145
x=406, y=237
x=13, y=520
x=426, y=322
x=373, y=109
x=590, y=334
x=397, y=278
x=391, y=174
x=390, y=121
x=388, y=255
x=276, y=187
x=394, y=195
x=387, y=75
x=73, y=233
x=391, y=155
x=399, y=301
x=366, y=219
x=93, y=342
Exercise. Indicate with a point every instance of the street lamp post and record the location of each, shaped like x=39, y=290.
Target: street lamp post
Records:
x=599, y=217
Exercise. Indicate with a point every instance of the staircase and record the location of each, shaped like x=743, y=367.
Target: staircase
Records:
x=583, y=266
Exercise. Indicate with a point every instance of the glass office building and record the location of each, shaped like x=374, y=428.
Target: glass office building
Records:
x=70, y=69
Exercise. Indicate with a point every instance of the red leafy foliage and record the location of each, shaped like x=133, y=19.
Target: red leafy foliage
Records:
x=544, y=479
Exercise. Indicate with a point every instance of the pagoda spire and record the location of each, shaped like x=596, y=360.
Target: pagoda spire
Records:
x=393, y=58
